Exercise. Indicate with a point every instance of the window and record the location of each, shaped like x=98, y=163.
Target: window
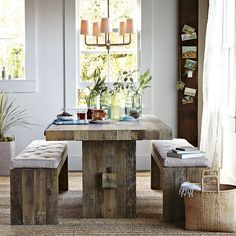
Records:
x=120, y=57
x=18, y=46
x=228, y=64
x=12, y=39
x=228, y=58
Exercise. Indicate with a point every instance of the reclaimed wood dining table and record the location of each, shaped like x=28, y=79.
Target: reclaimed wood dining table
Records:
x=109, y=162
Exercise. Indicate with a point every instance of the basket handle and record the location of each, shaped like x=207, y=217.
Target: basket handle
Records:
x=210, y=174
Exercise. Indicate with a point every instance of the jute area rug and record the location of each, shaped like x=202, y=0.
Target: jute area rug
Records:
x=148, y=221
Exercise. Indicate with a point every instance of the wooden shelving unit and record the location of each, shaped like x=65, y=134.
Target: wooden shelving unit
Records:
x=188, y=113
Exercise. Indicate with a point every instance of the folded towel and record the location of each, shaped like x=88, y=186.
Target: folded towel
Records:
x=187, y=188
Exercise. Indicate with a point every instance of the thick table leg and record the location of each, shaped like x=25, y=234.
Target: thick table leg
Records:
x=120, y=156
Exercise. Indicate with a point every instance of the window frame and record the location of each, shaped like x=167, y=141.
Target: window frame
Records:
x=83, y=84
x=228, y=112
x=29, y=83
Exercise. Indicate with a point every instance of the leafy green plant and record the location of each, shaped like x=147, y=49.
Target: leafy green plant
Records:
x=17, y=54
x=125, y=82
x=144, y=80
x=11, y=116
x=98, y=87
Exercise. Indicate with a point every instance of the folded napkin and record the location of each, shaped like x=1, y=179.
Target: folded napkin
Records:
x=69, y=122
x=187, y=188
x=66, y=122
x=126, y=118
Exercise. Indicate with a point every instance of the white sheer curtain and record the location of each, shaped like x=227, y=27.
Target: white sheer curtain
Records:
x=212, y=84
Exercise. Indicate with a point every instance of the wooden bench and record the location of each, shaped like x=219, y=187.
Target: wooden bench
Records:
x=37, y=175
x=169, y=173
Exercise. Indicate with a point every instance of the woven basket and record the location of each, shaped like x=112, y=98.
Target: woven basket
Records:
x=213, y=208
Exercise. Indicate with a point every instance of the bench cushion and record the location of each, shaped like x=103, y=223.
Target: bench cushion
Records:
x=41, y=154
x=161, y=147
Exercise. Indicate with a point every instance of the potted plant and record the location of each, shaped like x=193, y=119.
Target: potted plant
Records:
x=130, y=91
x=93, y=92
x=144, y=80
x=120, y=93
x=11, y=116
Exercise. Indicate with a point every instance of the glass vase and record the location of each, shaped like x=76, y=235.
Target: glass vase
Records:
x=137, y=103
x=116, y=102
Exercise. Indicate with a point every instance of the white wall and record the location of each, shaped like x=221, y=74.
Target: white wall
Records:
x=164, y=61
x=158, y=41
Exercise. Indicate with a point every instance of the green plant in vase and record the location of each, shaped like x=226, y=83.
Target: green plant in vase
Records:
x=98, y=87
x=92, y=93
x=143, y=83
x=120, y=93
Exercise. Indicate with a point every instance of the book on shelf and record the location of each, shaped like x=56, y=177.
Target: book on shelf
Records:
x=187, y=148
x=185, y=155
x=185, y=152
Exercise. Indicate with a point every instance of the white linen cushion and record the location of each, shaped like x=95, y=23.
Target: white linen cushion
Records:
x=41, y=154
x=161, y=147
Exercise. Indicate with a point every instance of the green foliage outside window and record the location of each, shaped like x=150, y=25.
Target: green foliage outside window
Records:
x=111, y=66
x=12, y=38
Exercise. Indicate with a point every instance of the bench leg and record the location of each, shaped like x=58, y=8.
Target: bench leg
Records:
x=156, y=176
x=34, y=196
x=173, y=177
x=63, y=177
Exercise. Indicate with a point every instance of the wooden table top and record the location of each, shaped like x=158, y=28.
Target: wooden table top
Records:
x=147, y=127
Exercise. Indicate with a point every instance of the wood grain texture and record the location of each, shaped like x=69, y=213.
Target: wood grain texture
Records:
x=145, y=128
x=34, y=194
x=16, y=197
x=172, y=178
x=110, y=203
x=51, y=195
x=28, y=196
x=39, y=194
x=156, y=176
x=63, y=177
x=110, y=145
x=120, y=157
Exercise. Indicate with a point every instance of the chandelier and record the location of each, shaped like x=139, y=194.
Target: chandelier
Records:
x=105, y=28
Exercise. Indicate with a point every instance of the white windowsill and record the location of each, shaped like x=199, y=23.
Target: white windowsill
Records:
x=18, y=86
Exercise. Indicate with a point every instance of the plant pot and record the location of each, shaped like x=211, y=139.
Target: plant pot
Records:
x=7, y=151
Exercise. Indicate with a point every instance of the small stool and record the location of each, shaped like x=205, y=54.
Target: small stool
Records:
x=168, y=173
x=37, y=174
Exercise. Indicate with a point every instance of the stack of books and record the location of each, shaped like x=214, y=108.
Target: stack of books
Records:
x=185, y=152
